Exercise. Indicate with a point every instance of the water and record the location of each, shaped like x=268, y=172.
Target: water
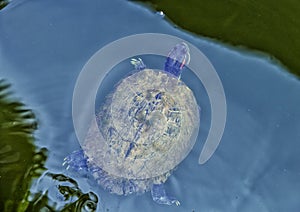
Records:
x=44, y=46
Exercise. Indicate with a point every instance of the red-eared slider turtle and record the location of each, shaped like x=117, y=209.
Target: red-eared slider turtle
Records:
x=146, y=127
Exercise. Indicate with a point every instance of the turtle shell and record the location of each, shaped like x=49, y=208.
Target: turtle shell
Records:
x=147, y=126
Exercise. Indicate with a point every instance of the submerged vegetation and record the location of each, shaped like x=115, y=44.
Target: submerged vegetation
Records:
x=269, y=26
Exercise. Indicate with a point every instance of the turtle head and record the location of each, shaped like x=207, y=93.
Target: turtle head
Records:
x=177, y=58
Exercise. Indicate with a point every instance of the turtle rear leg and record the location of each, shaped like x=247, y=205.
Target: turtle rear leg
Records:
x=76, y=161
x=160, y=196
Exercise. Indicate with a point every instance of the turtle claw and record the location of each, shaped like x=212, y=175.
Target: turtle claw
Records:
x=138, y=64
x=76, y=161
x=159, y=196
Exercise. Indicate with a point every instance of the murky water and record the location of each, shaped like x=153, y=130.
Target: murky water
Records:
x=44, y=46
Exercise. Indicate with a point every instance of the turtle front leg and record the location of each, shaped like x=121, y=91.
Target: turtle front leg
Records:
x=160, y=196
x=76, y=161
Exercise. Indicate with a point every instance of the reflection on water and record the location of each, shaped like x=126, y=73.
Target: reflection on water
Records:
x=22, y=163
x=61, y=194
x=255, y=24
x=3, y=3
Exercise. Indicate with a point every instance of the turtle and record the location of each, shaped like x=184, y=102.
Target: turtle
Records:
x=147, y=125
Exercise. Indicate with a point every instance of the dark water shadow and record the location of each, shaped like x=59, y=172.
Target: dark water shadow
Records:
x=3, y=3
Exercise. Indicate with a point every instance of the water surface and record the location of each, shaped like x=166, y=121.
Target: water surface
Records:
x=44, y=46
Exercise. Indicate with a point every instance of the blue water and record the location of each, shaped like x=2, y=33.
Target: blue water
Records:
x=45, y=44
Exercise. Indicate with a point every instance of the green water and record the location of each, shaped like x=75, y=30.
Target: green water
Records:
x=267, y=25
